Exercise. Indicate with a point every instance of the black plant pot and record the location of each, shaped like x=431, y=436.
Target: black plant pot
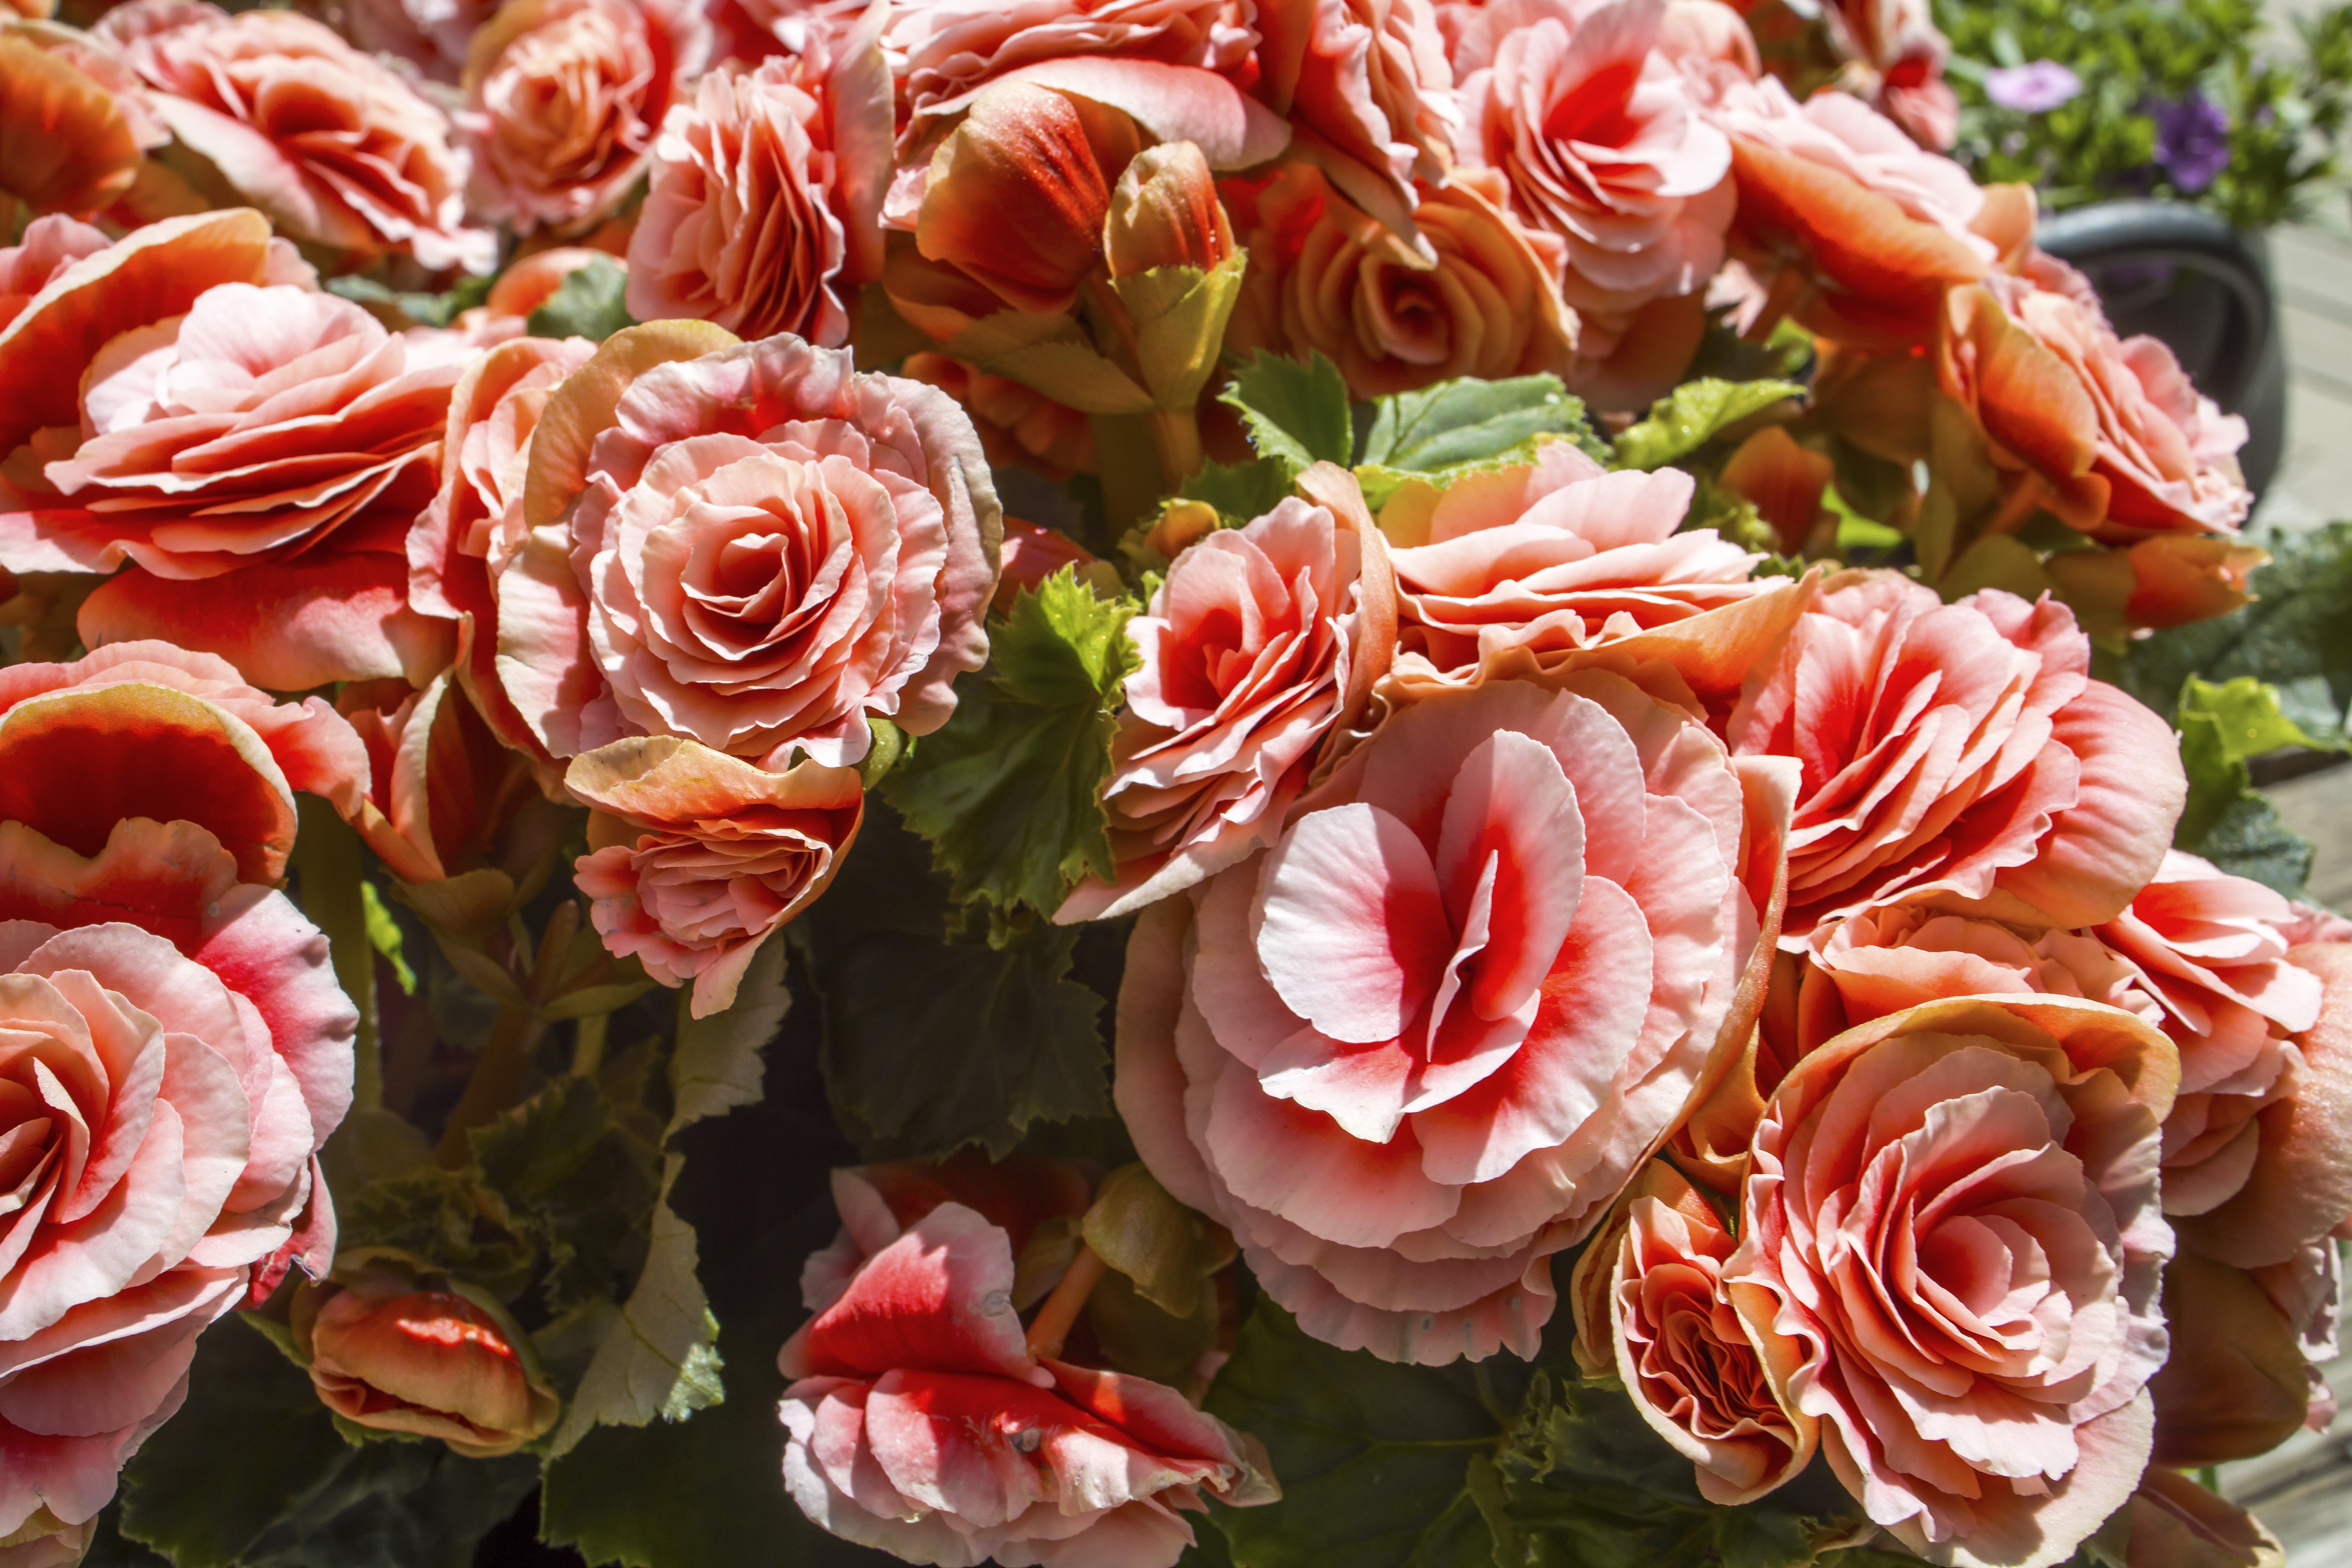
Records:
x=2182, y=275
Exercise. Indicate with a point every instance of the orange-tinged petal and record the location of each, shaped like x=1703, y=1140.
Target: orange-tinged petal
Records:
x=65, y=144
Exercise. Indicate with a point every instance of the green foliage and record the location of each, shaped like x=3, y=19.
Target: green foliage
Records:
x=2285, y=114
x=287, y=1492
x=1241, y=490
x=1296, y=413
x=936, y=1035
x=2227, y=820
x=1495, y=1465
x=385, y=936
x=577, y=1181
x=1691, y=416
x=589, y=304
x=1467, y=421
x=1009, y=791
x=2296, y=637
x=442, y=1219
x=419, y=310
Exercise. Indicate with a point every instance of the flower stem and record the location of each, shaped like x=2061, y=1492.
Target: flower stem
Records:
x=1177, y=434
x=1054, y=1320
x=498, y=1081
x=328, y=868
x=588, y=1044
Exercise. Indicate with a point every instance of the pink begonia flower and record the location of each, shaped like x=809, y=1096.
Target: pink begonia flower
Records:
x=463, y=540
x=74, y=122
x=1262, y=641
x=1957, y=752
x=564, y=99
x=758, y=549
x=1369, y=93
x=920, y=1422
x=430, y=35
x=1327, y=277
x=443, y=793
x=2122, y=444
x=1954, y=1212
x=1613, y=161
x=1417, y=1048
x=1844, y=223
x=257, y=460
x=144, y=729
x=177, y=1053
x=1553, y=556
x=764, y=209
x=947, y=50
x=49, y=246
x=1895, y=58
x=1654, y=1310
x=696, y=857
x=334, y=145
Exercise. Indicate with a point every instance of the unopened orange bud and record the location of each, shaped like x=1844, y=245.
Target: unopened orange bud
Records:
x=1165, y=213
x=432, y=1364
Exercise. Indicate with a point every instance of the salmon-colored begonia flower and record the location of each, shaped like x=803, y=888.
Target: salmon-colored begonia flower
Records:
x=74, y=125
x=183, y=738
x=696, y=857
x=443, y=793
x=1654, y=1310
x=424, y=1363
x=1957, y=752
x=1325, y=276
x=2117, y=440
x=563, y=100
x=49, y=246
x=177, y=1051
x=1954, y=1212
x=920, y=1422
x=1017, y=423
x=757, y=547
x=1262, y=641
x=1418, y=1046
x=1366, y=87
x=275, y=439
x=764, y=208
x=1611, y=161
x=336, y=147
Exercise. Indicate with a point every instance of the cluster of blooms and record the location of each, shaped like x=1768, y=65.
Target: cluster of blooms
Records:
x=1514, y=872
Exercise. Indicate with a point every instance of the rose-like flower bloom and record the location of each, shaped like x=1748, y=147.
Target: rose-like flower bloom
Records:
x=2300, y=1188
x=1555, y=556
x=765, y=548
x=1895, y=58
x=951, y=48
x=1954, y=1212
x=335, y=146
x=1327, y=277
x=1262, y=641
x=1958, y=751
x=1653, y=1310
x=430, y=1363
x=697, y=857
x=1017, y=423
x=1417, y=1046
x=2179, y=1522
x=258, y=460
x=165, y=1087
x=504, y=313
x=1367, y=84
x=2119, y=442
x=1608, y=153
x=144, y=729
x=72, y=127
x=741, y=225
x=1849, y=227
x=564, y=99
x=2037, y=86
x=920, y=1423
x=462, y=541
x=50, y=244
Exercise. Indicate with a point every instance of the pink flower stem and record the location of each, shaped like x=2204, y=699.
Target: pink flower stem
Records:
x=327, y=865
x=1052, y=1324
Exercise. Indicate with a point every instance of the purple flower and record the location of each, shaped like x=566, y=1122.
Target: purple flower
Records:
x=2193, y=141
x=2036, y=86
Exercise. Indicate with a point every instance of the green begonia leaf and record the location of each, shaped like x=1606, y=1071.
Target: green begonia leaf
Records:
x=589, y=304
x=2227, y=820
x=1470, y=423
x=424, y=310
x=933, y=1039
x=1689, y=416
x=1242, y=492
x=251, y=1471
x=1296, y=413
x=1009, y=791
